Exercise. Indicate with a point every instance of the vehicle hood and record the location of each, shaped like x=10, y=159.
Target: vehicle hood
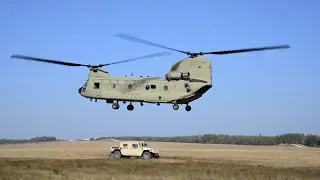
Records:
x=152, y=150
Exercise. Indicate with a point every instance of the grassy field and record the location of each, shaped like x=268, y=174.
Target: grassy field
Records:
x=88, y=160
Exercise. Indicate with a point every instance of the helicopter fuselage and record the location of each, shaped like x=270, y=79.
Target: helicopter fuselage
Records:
x=187, y=81
x=143, y=89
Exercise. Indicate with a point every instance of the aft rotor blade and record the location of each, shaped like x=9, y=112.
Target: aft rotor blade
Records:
x=138, y=58
x=47, y=60
x=248, y=50
x=139, y=40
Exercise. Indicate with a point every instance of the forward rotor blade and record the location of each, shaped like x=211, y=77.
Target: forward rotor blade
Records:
x=47, y=60
x=138, y=58
x=139, y=40
x=248, y=50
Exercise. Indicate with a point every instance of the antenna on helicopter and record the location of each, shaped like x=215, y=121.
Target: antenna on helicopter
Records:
x=195, y=54
x=16, y=56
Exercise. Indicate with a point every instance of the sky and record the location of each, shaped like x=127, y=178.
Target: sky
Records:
x=268, y=93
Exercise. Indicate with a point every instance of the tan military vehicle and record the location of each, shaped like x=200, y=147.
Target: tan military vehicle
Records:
x=129, y=149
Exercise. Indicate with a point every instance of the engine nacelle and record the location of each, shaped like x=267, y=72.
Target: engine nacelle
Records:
x=177, y=75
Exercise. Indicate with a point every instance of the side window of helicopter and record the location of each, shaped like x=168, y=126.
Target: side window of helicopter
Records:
x=113, y=85
x=147, y=87
x=165, y=87
x=153, y=86
x=96, y=85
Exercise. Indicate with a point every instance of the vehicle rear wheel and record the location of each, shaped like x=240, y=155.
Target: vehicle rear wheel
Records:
x=117, y=154
x=188, y=108
x=146, y=155
x=130, y=107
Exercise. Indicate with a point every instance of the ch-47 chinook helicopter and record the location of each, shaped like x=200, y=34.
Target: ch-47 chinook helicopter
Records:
x=187, y=80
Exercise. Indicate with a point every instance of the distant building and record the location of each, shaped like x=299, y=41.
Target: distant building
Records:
x=82, y=139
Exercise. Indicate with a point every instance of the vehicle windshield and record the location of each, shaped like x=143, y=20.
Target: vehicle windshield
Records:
x=144, y=145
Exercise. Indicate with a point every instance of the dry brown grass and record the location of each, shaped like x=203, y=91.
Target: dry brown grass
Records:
x=88, y=160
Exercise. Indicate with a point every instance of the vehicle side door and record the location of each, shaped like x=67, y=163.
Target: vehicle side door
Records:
x=96, y=89
x=125, y=150
x=135, y=149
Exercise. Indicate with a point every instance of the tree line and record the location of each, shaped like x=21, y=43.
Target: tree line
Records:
x=34, y=139
x=288, y=138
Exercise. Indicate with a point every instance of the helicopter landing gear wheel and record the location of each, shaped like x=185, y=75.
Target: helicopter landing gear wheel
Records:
x=115, y=106
x=130, y=107
x=188, y=108
x=175, y=106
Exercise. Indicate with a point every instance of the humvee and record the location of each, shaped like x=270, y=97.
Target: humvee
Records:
x=129, y=149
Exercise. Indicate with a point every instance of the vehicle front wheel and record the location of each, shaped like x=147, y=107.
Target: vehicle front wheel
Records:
x=175, y=106
x=146, y=155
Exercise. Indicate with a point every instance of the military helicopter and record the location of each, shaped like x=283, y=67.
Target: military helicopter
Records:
x=187, y=80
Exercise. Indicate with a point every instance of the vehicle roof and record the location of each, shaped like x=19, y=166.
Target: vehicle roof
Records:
x=130, y=142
